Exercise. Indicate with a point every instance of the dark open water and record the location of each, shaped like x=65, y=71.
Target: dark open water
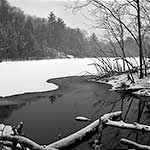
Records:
x=44, y=118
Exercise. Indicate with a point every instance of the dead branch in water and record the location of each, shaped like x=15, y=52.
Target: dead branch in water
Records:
x=134, y=145
x=65, y=143
x=85, y=133
x=123, y=125
x=73, y=140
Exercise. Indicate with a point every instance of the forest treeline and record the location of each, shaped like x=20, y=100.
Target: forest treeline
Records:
x=29, y=37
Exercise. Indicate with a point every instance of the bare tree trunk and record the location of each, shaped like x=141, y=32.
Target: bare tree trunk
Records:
x=140, y=39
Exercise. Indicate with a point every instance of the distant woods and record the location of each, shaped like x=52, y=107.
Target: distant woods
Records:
x=29, y=37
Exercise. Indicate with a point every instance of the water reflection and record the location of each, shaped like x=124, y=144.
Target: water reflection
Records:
x=53, y=98
x=7, y=109
x=135, y=109
x=36, y=108
x=10, y=104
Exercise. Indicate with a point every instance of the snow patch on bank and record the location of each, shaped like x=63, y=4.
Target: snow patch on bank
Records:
x=140, y=87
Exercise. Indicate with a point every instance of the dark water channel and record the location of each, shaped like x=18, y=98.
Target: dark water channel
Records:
x=45, y=116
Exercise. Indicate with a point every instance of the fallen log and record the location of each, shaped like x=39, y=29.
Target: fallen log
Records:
x=134, y=145
x=65, y=143
x=143, y=93
x=78, y=137
x=123, y=125
x=10, y=145
x=23, y=141
x=83, y=134
x=8, y=137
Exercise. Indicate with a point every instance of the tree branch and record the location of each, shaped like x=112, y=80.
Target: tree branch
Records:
x=23, y=141
x=105, y=7
x=83, y=134
x=123, y=125
x=67, y=142
x=134, y=145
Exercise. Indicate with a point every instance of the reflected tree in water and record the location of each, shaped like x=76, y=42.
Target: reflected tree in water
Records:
x=7, y=110
x=134, y=109
x=53, y=98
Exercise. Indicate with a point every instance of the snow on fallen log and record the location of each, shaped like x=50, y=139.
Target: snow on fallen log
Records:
x=23, y=141
x=10, y=145
x=70, y=141
x=123, y=125
x=127, y=89
x=10, y=135
x=83, y=134
x=134, y=145
x=6, y=130
x=143, y=93
x=78, y=137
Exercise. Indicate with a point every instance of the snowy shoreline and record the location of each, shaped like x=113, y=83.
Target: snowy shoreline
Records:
x=121, y=83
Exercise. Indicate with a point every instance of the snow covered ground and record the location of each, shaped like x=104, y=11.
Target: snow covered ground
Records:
x=140, y=87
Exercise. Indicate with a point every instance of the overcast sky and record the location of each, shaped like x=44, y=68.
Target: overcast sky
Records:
x=42, y=8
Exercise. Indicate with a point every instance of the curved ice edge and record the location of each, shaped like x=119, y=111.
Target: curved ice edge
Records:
x=30, y=92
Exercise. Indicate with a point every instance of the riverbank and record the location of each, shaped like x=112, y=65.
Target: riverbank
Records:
x=129, y=84
x=75, y=96
x=70, y=87
x=30, y=76
x=57, y=109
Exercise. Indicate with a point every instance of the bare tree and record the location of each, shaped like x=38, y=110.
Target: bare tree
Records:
x=130, y=17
